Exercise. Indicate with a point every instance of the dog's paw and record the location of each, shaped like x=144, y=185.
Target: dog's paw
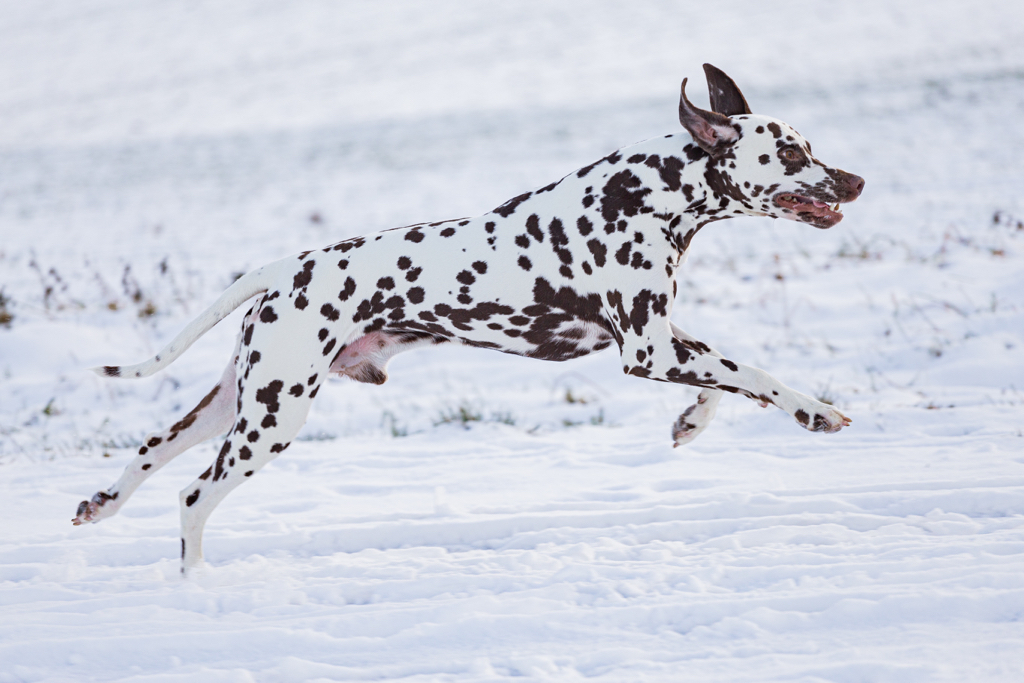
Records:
x=683, y=432
x=822, y=418
x=100, y=507
x=85, y=513
x=696, y=418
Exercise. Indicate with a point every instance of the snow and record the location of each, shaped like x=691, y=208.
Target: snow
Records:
x=151, y=151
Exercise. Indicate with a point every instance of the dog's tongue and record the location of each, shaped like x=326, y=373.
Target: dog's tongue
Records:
x=819, y=205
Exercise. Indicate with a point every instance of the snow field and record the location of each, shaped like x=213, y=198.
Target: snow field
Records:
x=483, y=517
x=646, y=567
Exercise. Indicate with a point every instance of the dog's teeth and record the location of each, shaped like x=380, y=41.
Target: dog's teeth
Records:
x=836, y=207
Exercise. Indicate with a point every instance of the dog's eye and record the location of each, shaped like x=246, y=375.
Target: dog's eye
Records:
x=790, y=154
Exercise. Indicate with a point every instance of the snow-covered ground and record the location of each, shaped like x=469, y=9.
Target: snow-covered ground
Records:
x=481, y=516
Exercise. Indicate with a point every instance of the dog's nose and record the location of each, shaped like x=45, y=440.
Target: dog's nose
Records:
x=856, y=183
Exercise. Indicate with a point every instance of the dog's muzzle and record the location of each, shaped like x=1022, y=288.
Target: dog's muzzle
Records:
x=821, y=211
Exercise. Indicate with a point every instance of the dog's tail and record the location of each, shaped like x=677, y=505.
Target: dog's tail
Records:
x=243, y=289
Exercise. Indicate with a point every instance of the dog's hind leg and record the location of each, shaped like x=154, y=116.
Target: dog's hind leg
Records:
x=697, y=417
x=212, y=417
x=274, y=398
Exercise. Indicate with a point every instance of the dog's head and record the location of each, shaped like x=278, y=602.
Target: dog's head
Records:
x=759, y=165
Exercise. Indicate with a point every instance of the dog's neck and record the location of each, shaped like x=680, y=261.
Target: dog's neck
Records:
x=683, y=201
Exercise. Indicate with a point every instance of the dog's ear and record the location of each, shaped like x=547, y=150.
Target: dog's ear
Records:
x=726, y=98
x=712, y=132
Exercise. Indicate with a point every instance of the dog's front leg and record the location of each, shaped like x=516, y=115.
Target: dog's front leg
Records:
x=697, y=417
x=654, y=351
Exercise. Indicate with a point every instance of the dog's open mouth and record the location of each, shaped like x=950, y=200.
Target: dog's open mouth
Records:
x=819, y=214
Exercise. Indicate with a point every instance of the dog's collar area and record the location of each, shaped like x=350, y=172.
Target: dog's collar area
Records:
x=810, y=210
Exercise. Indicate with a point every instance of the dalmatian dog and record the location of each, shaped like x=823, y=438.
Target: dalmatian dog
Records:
x=583, y=264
